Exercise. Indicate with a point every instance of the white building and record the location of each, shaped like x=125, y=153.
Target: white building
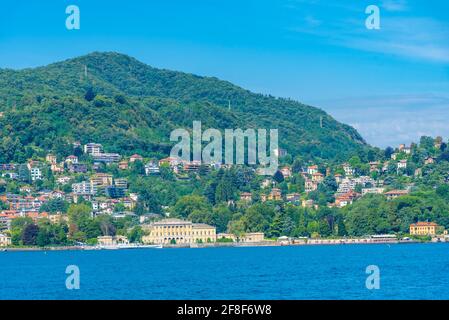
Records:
x=36, y=174
x=84, y=188
x=5, y=240
x=93, y=148
x=63, y=180
x=374, y=190
x=72, y=159
x=402, y=164
x=349, y=170
x=151, y=168
x=106, y=157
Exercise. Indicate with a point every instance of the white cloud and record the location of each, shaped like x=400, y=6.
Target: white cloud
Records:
x=420, y=38
x=395, y=5
x=391, y=120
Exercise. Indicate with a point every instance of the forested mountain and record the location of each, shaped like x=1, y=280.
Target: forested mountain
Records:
x=130, y=107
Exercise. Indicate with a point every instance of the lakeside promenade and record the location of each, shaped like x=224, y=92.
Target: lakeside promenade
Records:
x=266, y=243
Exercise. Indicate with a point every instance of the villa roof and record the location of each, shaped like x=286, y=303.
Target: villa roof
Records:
x=424, y=224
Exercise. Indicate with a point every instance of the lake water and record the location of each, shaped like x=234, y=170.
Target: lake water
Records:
x=409, y=271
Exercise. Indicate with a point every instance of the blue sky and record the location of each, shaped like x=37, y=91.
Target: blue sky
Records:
x=391, y=84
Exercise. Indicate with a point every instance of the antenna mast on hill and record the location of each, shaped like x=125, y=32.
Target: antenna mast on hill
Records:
x=229, y=104
x=321, y=122
x=85, y=71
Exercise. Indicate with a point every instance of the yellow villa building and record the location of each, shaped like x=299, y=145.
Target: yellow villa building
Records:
x=183, y=232
x=424, y=229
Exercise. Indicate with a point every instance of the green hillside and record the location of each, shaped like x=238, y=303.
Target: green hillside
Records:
x=134, y=107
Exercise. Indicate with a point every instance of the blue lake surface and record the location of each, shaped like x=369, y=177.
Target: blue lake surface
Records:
x=407, y=271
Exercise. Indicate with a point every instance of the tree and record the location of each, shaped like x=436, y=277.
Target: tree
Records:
x=188, y=204
x=278, y=176
x=258, y=218
x=24, y=174
x=136, y=234
x=29, y=235
x=388, y=152
x=79, y=220
x=17, y=227
x=221, y=216
x=426, y=143
x=106, y=225
x=237, y=228
x=90, y=94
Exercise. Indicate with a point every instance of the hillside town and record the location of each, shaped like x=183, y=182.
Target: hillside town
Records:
x=43, y=190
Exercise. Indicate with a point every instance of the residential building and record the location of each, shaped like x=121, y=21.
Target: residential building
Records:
x=374, y=166
x=203, y=233
x=123, y=165
x=152, y=168
x=102, y=179
x=312, y=169
x=172, y=162
x=192, y=166
x=405, y=149
x=293, y=197
x=348, y=169
x=429, y=160
x=246, y=196
x=402, y=164
x=346, y=199
x=77, y=168
x=57, y=218
x=282, y=152
x=7, y=167
x=135, y=157
x=308, y=203
x=129, y=203
x=373, y=190
x=5, y=240
x=310, y=185
x=106, y=157
x=57, y=168
x=252, y=237
x=106, y=241
x=5, y=221
x=275, y=195
x=180, y=231
x=63, y=180
x=71, y=159
x=338, y=178
x=93, y=148
x=423, y=229
x=35, y=173
x=25, y=204
x=267, y=183
x=317, y=177
x=84, y=188
x=121, y=183
x=50, y=158
x=393, y=194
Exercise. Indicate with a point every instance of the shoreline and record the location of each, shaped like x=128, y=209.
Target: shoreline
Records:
x=330, y=242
